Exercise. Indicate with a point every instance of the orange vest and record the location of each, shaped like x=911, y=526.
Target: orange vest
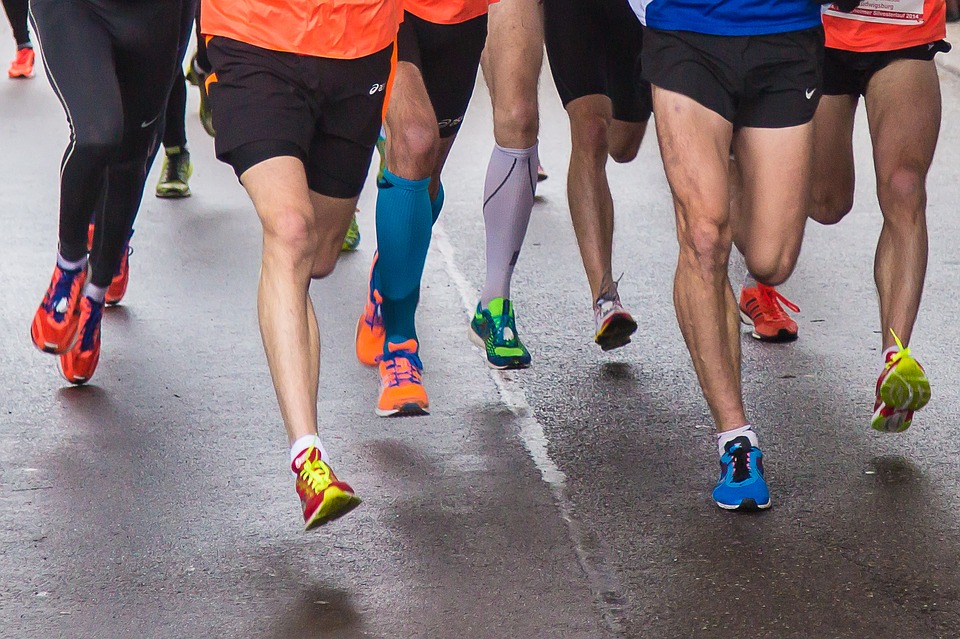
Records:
x=447, y=11
x=885, y=25
x=346, y=29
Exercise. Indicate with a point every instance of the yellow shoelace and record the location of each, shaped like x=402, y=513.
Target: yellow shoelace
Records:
x=314, y=473
x=900, y=354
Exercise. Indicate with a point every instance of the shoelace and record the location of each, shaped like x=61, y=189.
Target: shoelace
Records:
x=741, y=462
x=314, y=473
x=770, y=299
x=91, y=327
x=62, y=288
x=176, y=168
x=900, y=354
x=403, y=371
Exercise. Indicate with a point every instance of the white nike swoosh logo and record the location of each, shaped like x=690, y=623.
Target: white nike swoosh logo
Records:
x=144, y=125
x=810, y=92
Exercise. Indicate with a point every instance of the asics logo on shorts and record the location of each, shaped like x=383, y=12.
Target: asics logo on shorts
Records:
x=377, y=88
x=450, y=122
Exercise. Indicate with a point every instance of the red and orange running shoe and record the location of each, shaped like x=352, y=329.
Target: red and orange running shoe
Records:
x=118, y=285
x=22, y=65
x=370, y=330
x=401, y=382
x=322, y=496
x=79, y=363
x=902, y=388
x=760, y=308
x=54, y=327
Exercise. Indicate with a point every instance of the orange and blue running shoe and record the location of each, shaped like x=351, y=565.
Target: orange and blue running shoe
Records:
x=118, y=285
x=54, y=327
x=22, y=65
x=322, y=496
x=760, y=308
x=79, y=363
x=371, y=333
x=902, y=388
x=401, y=382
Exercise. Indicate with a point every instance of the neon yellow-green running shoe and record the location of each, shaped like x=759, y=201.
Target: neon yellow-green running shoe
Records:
x=494, y=329
x=175, y=174
x=352, y=239
x=902, y=388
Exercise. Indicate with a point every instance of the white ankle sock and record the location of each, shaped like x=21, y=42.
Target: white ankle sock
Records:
x=67, y=265
x=728, y=436
x=304, y=443
x=749, y=281
x=96, y=293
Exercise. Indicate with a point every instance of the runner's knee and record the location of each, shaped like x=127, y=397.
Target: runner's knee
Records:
x=290, y=234
x=772, y=266
x=831, y=206
x=707, y=244
x=516, y=125
x=414, y=150
x=591, y=136
x=901, y=192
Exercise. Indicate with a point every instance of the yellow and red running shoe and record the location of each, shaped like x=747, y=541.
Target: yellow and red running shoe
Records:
x=401, y=382
x=760, y=308
x=79, y=363
x=371, y=333
x=902, y=388
x=54, y=327
x=322, y=496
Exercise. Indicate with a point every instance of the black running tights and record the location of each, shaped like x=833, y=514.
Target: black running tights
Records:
x=17, y=15
x=111, y=63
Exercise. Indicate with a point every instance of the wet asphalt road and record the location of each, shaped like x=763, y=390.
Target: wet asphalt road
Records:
x=567, y=501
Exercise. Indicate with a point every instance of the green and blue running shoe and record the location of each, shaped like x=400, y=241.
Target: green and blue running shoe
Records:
x=352, y=239
x=494, y=329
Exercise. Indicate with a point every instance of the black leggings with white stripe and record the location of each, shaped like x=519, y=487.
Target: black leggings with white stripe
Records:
x=111, y=63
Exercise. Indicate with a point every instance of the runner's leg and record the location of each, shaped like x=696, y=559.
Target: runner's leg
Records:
x=695, y=146
x=903, y=108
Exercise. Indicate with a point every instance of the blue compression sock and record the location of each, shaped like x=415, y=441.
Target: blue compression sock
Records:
x=404, y=222
x=436, y=205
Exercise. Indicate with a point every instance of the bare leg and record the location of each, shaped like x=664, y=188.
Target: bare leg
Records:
x=695, y=146
x=903, y=105
x=302, y=233
x=833, y=169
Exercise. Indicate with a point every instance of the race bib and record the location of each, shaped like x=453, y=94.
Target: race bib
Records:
x=904, y=12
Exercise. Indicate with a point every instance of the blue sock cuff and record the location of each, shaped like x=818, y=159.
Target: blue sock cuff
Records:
x=436, y=204
x=412, y=185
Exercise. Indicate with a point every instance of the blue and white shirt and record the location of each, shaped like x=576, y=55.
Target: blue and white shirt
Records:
x=728, y=17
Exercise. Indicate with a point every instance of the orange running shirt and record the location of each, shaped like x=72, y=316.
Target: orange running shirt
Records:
x=885, y=25
x=447, y=11
x=346, y=29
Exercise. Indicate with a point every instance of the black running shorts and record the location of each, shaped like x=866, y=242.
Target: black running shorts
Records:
x=769, y=81
x=594, y=49
x=849, y=72
x=448, y=57
x=325, y=112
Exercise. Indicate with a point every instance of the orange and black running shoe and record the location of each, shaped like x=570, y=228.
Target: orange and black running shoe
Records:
x=760, y=308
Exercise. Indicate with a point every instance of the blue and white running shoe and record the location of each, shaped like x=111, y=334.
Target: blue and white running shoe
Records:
x=741, y=485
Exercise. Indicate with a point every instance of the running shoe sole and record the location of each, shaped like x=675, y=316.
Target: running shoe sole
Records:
x=477, y=341
x=616, y=333
x=745, y=506
x=906, y=387
x=897, y=422
x=410, y=409
x=783, y=336
x=76, y=381
x=336, y=503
